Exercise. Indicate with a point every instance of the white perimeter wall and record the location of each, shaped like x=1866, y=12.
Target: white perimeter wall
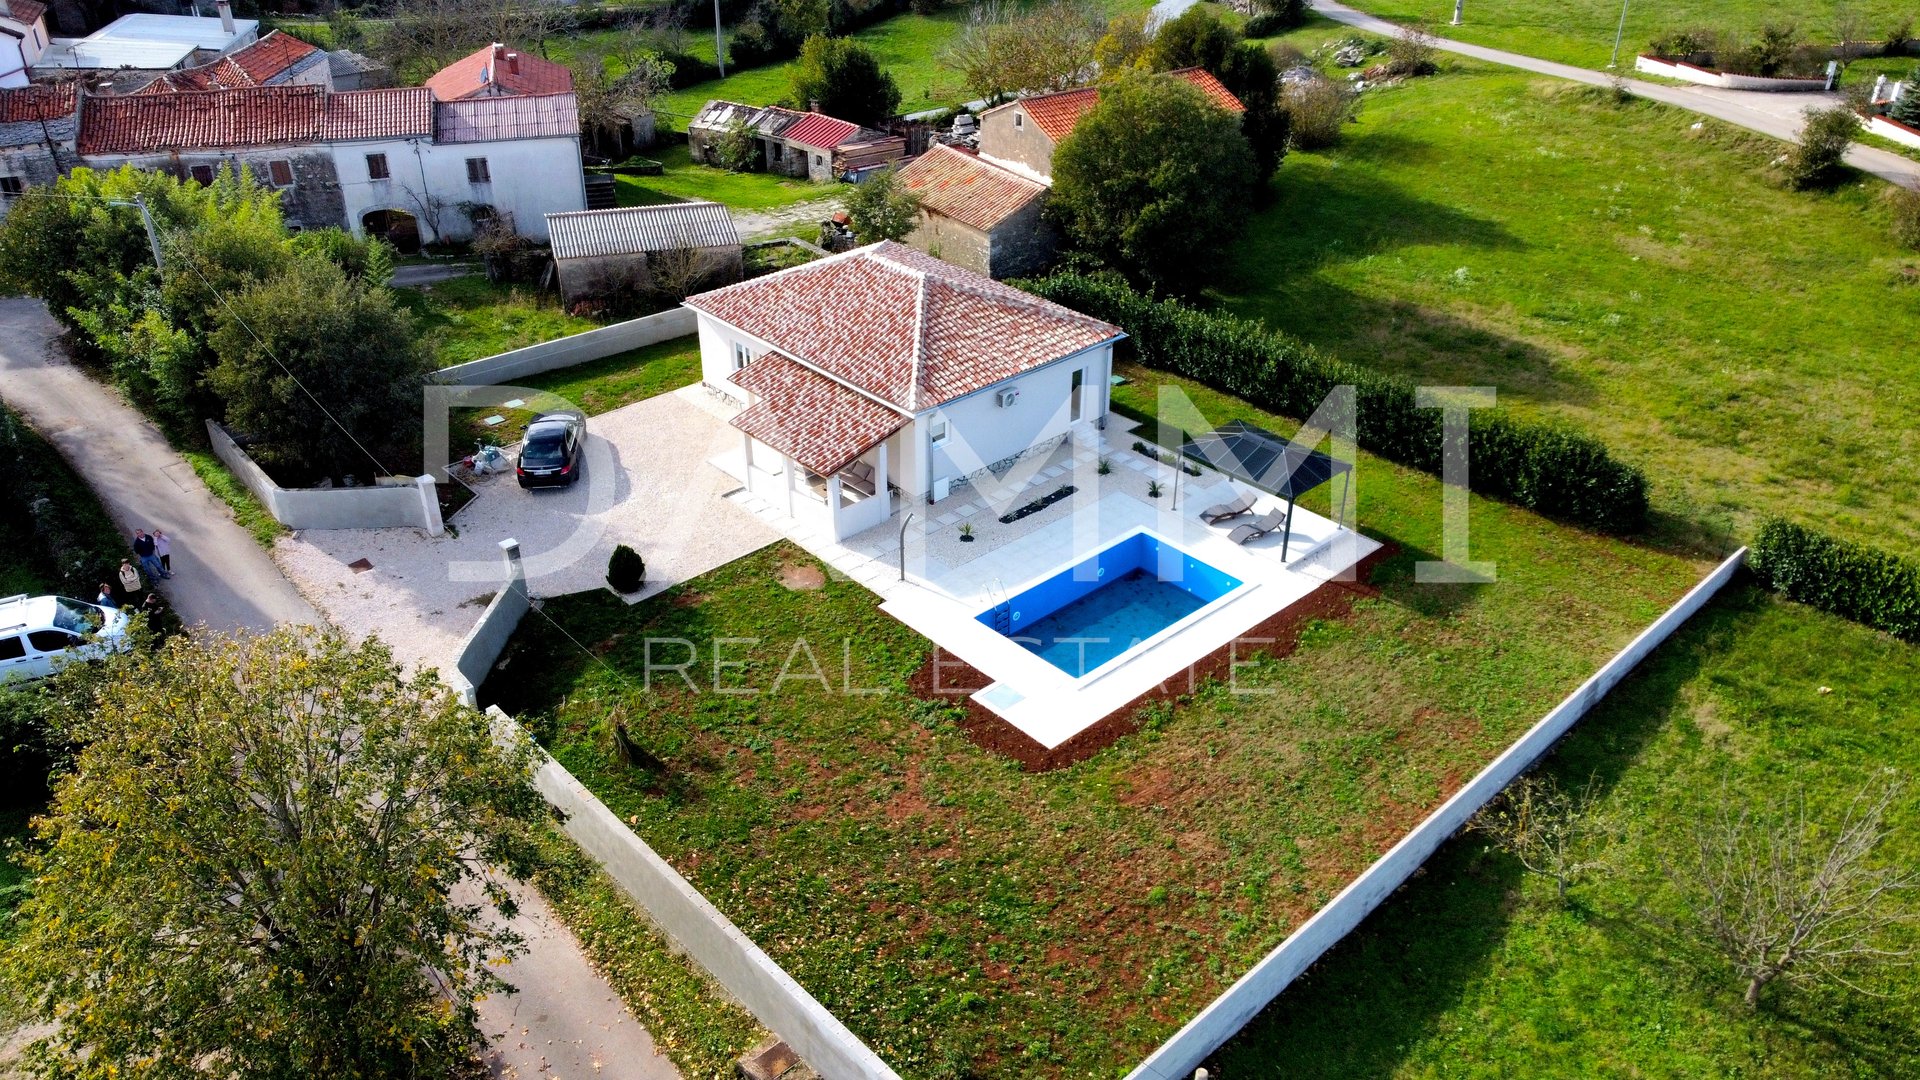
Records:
x=1180, y=1055
x=531, y=179
x=573, y=349
x=413, y=504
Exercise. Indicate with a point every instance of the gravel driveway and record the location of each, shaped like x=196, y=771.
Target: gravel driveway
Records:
x=647, y=484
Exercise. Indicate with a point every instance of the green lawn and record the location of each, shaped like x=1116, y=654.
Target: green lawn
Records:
x=967, y=918
x=682, y=179
x=1581, y=32
x=247, y=510
x=1611, y=266
x=470, y=318
x=595, y=387
x=1474, y=970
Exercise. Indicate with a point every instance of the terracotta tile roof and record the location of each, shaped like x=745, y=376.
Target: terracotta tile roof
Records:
x=968, y=190
x=24, y=12
x=1211, y=87
x=256, y=65
x=903, y=326
x=820, y=131
x=1057, y=113
x=31, y=103
x=393, y=113
x=198, y=119
x=253, y=116
x=509, y=70
x=809, y=417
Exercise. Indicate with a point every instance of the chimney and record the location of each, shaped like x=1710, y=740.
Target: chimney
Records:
x=226, y=15
x=513, y=63
x=813, y=106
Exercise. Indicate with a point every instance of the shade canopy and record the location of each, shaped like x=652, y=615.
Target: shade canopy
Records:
x=1254, y=455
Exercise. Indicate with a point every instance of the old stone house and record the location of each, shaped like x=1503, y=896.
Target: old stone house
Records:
x=23, y=38
x=634, y=251
x=1023, y=134
x=801, y=144
x=979, y=215
x=38, y=125
x=499, y=71
x=275, y=60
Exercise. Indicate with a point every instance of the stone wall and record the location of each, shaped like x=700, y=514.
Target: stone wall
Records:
x=1010, y=135
x=951, y=241
x=1025, y=243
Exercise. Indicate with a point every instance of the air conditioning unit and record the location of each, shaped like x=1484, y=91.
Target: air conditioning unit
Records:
x=1005, y=398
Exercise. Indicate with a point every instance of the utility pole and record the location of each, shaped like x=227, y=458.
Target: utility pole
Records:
x=146, y=218
x=1458, y=7
x=1617, y=35
x=719, y=45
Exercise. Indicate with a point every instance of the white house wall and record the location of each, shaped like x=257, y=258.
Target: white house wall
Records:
x=983, y=432
x=531, y=178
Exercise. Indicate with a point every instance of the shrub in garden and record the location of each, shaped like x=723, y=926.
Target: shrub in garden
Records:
x=626, y=570
x=1871, y=587
x=1815, y=160
x=1906, y=108
x=1318, y=110
x=1273, y=16
x=1410, y=53
x=1539, y=466
x=1905, y=203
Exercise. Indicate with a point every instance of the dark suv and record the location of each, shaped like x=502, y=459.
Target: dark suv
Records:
x=550, y=456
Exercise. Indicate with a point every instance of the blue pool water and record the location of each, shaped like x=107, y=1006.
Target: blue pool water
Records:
x=1100, y=607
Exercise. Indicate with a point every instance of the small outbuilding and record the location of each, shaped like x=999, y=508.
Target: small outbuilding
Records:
x=616, y=255
x=978, y=215
x=809, y=145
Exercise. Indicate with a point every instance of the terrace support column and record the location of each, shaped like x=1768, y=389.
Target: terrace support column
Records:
x=833, y=506
x=880, y=480
x=786, y=467
x=746, y=455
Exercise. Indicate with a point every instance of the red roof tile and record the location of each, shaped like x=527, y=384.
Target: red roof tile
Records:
x=24, y=12
x=903, y=326
x=1057, y=113
x=32, y=103
x=812, y=419
x=510, y=70
x=819, y=131
x=255, y=65
x=968, y=190
x=392, y=113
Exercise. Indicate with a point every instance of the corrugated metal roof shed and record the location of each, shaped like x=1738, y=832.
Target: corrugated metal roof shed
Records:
x=629, y=230
x=487, y=119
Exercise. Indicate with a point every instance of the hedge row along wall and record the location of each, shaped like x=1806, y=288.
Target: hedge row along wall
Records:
x=1853, y=581
x=1542, y=467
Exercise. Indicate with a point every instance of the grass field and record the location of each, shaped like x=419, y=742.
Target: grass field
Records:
x=967, y=918
x=1612, y=266
x=470, y=318
x=1581, y=32
x=594, y=387
x=1475, y=970
x=682, y=179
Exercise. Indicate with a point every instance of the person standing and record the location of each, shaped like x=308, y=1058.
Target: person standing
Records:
x=143, y=550
x=163, y=548
x=105, y=599
x=129, y=580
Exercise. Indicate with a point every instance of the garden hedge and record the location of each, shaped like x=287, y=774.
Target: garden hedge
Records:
x=1869, y=586
x=1543, y=467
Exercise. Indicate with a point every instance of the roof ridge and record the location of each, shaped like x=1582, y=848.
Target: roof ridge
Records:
x=989, y=290
x=919, y=372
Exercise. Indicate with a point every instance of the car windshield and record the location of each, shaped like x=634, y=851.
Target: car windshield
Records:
x=75, y=616
x=544, y=450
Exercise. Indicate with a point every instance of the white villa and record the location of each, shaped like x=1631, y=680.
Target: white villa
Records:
x=884, y=373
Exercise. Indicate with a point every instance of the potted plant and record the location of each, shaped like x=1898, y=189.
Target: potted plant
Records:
x=626, y=570
x=1106, y=466
x=1153, y=489
x=966, y=532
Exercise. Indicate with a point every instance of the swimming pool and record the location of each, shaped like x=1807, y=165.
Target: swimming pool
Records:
x=1102, y=606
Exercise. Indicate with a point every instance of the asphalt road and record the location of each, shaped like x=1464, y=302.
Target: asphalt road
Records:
x=222, y=578
x=1777, y=115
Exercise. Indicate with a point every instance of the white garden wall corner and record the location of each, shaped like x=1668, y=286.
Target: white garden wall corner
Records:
x=1179, y=1056
x=391, y=503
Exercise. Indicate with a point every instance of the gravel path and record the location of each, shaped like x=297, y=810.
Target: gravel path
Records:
x=647, y=484
x=763, y=224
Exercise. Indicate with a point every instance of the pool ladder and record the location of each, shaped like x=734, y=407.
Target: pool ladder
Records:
x=1002, y=609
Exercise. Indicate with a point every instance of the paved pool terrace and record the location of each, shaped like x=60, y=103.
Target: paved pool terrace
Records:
x=950, y=583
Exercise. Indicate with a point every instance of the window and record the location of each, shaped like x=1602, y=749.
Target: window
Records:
x=377, y=167
x=52, y=640
x=281, y=173
x=477, y=171
x=11, y=648
x=202, y=174
x=937, y=431
x=741, y=357
x=1074, y=394
x=818, y=160
x=1019, y=120
x=11, y=187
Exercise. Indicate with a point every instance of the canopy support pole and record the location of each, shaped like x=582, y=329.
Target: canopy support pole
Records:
x=1286, y=537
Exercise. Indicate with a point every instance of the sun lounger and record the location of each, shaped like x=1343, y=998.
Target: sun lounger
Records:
x=1269, y=521
x=1226, y=511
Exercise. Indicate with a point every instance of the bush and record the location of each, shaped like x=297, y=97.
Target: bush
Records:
x=1815, y=160
x=1318, y=110
x=1410, y=53
x=1695, y=42
x=626, y=570
x=689, y=69
x=1853, y=581
x=1542, y=467
x=1899, y=36
x=77, y=545
x=1905, y=203
x=1276, y=16
x=1906, y=108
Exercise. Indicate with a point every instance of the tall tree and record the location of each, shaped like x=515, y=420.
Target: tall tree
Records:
x=271, y=861
x=324, y=371
x=612, y=89
x=842, y=76
x=1196, y=39
x=1002, y=50
x=1154, y=179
